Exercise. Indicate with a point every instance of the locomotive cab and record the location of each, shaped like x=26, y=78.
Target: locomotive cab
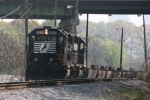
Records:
x=45, y=53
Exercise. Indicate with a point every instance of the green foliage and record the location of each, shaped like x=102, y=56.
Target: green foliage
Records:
x=112, y=52
x=133, y=94
x=49, y=23
x=132, y=42
x=12, y=36
x=19, y=25
x=103, y=52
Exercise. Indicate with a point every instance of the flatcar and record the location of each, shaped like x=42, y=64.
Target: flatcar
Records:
x=55, y=54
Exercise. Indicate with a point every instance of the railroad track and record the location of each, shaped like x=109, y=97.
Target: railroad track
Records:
x=54, y=82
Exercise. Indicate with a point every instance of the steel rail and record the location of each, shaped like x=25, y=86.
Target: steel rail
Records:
x=55, y=82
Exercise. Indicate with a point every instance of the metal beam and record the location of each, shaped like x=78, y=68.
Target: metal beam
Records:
x=116, y=7
x=38, y=11
x=44, y=9
x=55, y=15
x=87, y=27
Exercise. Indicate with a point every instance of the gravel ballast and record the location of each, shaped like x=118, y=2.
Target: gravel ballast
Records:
x=86, y=91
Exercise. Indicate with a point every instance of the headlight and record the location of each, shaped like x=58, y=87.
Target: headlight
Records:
x=46, y=31
x=35, y=59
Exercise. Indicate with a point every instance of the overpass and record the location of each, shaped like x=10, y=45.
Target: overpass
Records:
x=44, y=9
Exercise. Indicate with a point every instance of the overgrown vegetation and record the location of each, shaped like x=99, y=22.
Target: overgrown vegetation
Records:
x=12, y=46
x=107, y=37
x=142, y=93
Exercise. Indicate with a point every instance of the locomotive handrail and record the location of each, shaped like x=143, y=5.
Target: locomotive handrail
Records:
x=29, y=54
x=61, y=58
x=58, y=58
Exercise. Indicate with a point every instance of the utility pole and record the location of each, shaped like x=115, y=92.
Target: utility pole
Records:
x=26, y=29
x=145, y=47
x=87, y=21
x=121, y=49
x=55, y=16
x=76, y=18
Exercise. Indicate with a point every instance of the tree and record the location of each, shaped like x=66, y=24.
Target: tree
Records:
x=49, y=23
x=12, y=46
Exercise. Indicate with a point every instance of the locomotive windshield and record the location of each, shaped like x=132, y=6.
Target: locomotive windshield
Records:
x=45, y=38
x=41, y=38
x=51, y=38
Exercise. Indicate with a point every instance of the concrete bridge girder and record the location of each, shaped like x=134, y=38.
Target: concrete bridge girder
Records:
x=69, y=25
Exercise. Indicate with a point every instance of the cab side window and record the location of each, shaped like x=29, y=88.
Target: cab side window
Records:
x=81, y=46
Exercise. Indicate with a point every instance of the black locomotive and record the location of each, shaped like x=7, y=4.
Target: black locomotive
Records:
x=54, y=53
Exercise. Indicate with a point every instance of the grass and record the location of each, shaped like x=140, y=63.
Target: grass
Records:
x=129, y=94
x=138, y=93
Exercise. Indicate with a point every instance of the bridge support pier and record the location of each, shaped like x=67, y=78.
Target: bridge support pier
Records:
x=69, y=25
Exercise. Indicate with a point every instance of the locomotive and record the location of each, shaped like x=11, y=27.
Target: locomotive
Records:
x=54, y=53
x=57, y=54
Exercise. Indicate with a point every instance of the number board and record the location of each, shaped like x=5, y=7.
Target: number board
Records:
x=39, y=32
x=52, y=32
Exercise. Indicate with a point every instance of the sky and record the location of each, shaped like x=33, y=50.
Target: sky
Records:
x=105, y=18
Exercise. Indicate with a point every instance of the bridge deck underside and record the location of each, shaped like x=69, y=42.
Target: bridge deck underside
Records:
x=44, y=9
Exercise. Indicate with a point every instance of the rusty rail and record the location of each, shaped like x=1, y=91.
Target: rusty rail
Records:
x=55, y=82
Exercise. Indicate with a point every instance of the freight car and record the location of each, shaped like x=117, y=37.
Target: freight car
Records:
x=55, y=53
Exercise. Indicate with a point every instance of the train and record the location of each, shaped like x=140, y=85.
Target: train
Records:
x=54, y=53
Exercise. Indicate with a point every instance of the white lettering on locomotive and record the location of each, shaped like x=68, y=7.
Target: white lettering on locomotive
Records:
x=44, y=47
